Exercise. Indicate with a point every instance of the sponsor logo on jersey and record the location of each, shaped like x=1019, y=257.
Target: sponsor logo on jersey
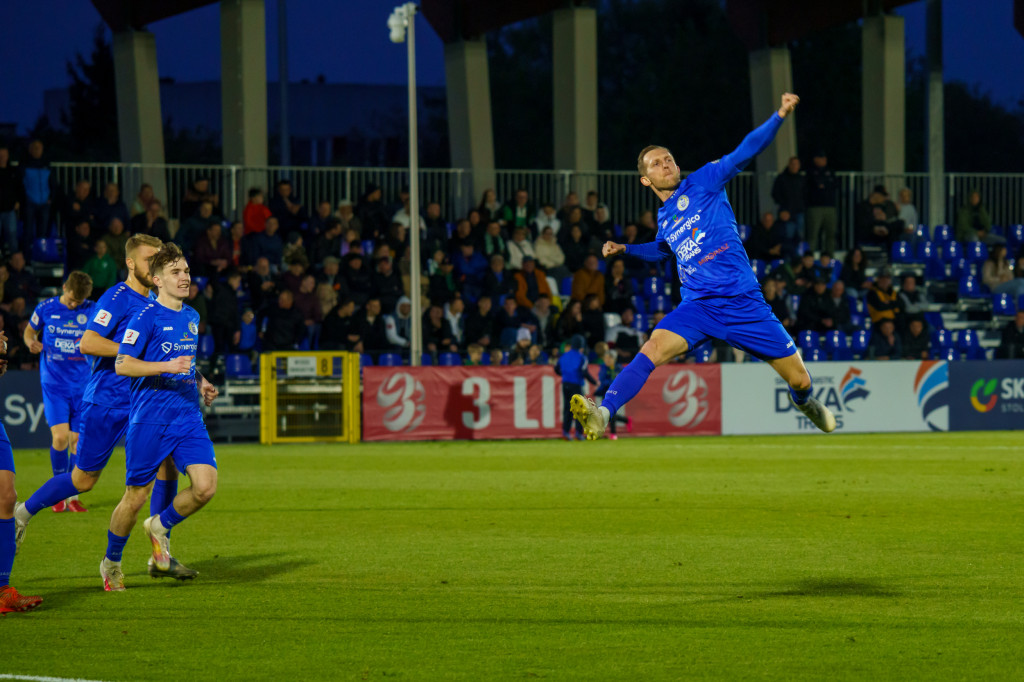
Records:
x=102, y=318
x=65, y=345
x=166, y=346
x=54, y=317
x=130, y=337
x=683, y=202
x=168, y=329
x=35, y=319
x=50, y=328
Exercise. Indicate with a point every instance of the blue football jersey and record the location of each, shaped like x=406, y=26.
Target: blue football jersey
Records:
x=61, y=363
x=116, y=308
x=158, y=334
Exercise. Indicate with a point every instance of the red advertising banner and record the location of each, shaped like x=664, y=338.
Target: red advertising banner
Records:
x=470, y=403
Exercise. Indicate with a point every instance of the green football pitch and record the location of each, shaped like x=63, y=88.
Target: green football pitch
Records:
x=840, y=557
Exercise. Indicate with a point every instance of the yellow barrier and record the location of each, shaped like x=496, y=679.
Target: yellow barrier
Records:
x=308, y=397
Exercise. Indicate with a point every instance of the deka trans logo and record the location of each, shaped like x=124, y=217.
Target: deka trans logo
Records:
x=983, y=395
x=841, y=396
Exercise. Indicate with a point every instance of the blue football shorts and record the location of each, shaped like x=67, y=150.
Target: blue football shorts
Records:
x=6, y=453
x=63, y=407
x=745, y=322
x=147, y=445
x=100, y=427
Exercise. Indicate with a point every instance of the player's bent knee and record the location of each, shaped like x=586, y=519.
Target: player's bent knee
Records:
x=84, y=481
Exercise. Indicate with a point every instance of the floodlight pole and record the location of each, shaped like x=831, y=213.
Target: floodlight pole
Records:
x=407, y=13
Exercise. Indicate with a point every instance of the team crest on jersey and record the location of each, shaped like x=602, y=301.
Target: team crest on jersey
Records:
x=192, y=327
x=81, y=319
x=683, y=202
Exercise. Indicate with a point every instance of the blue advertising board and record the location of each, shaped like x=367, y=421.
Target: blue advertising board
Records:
x=986, y=396
x=22, y=410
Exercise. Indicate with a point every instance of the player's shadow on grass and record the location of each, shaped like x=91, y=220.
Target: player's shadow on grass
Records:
x=832, y=587
x=252, y=568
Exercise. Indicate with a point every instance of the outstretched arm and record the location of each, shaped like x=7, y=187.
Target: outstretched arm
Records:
x=652, y=252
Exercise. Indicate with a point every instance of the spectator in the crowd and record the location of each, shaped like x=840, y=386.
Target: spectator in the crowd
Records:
x=602, y=228
x=238, y=247
x=498, y=281
x=997, y=273
x=593, y=319
x=372, y=215
x=261, y=284
x=197, y=193
x=358, y=279
x=255, y=214
x=798, y=274
x=326, y=296
x=151, y=222
x=291, y=278
x=519, y=354
x=908, y=214
x=576, y=248
x=340, y=328
x=249, y=332
x=518, y=212
x=402, y=217
x=436, y=236
x=397, y=243
x=547, y=321
x=766, y=239
x=788, y=192
x=437, y=333
x=883, y=301
x=1011, y=343
x=647, y=228
x=398, y=326
x=40, y=186
x=197, y=301
x=474, y=355
x=479, y=328
x=588, y=209
x=510, y=318
x=519, y=248
x=116, y=240
x=347, y=215
x=588, y=280
x=295, y=249
x=80, y=206
x=915, y=342
x=455, y=314
x=308, y=305
x=815, y=308
x=973, y=223
x=212, y=254
x=80, y=243
x=10, y=201
x=531, y=283
x=224, y=312
x=283, y=325
x=625, y=337
x=111, y=207
x=821, y=205
x=878, y=230
x=854, y=273
x=101, y=267
x=618, y=287
x=778, y=304
x=572, y=367
x=142, y=199
x=550, y=255
x=546, y=217
x=572, y=201
x=330, y=275
x=372, y=331
x=839, y=308
x=268, y=244
x=912, y=299
x=194, y=227
x=476, y=226
x=470, y=268
x=463, y=235
x=498, y=357
x=824, y=268
x=494, y=241
x=290, y=213
x=885, y=344
x=489, y=208
x=318, y=221
x=441, y=286
x=387, y=285
x=570, y=322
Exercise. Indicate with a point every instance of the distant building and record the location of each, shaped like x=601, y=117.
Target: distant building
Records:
x=330, y=124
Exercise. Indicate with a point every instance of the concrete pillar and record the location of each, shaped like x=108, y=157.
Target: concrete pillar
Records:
x=470, y=134
x=243, y=69
x=771, y=74
x=883, y=88
x=574, y=52
x=139, y=121
x=935, y=147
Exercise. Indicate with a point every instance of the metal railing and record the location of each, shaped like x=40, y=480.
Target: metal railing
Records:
x=621, y=191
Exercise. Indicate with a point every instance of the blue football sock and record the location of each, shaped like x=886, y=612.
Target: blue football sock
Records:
x=115, y=545
x=629, y=382
x=801, y=397
x=50, y=493
x=170, y=517
x=162, y=497
x=59, y=461
x=7, y=547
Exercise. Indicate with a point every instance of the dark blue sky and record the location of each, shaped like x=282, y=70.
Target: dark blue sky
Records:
x=347, y=41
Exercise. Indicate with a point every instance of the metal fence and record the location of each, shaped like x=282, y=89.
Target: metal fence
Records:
x=626, y=198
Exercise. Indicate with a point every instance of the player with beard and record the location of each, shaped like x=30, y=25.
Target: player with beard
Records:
x=720, y=295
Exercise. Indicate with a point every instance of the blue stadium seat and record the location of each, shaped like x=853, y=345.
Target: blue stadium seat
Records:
x=969, y=287
x=859, y=342
x=638, y=303
x=922, y=232
x=652, y=286
x=957, y=269
x=641, y=322
x=1003, y=304
x=950, y=354
x=901, y=252
x=543, y=358
x=426, y=360
x=485, y=359
x=389, y=360
x=857, y=320
x=1015, y=236
x=206, y=347
x=365, y=360
x=744, y=232
x=837, y=269
x=934, y=269
x=776, y=264
x=998, y=231
x=305, y=344
x=952, y=251
x=927, y=251
x=504, y=357
x=969, y=344
x=802, y=248
x=807, y=340
x=565, y=288
x=942, y=234
x=759, y=267
x=238, y=366
x=835, y=344
x=976, y=252
x=602, y=265
x=857, y=305
x=450, y=360
x=368, y=248
x=660, y=304
x=934, y=320
x=815, y=355
x=942, y=338
x=702, y=354
x=794, y=303
x=48, y=251
x=201, y=283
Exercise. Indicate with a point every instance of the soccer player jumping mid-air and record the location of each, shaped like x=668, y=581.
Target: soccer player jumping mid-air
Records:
x=158, y=353
x=54, y=331
x=720, y=295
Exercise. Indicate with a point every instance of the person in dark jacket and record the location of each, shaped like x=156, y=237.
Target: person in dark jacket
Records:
x=11, y=192
x=371, y=328
x=387, y=285
x=766, y=239
x=283, y=326
x=225, y=316
x=111, y=207
x=479, y=327
x=40, y=185
x=788, y=192
x=821, y=205
x=290, y=214
x=340, y=328
x=437, y=332
x=372, y=215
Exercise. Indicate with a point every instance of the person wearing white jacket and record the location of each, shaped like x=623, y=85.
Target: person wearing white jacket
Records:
x=398, y=327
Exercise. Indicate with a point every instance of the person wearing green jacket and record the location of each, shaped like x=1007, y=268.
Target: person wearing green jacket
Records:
x=102, y=268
